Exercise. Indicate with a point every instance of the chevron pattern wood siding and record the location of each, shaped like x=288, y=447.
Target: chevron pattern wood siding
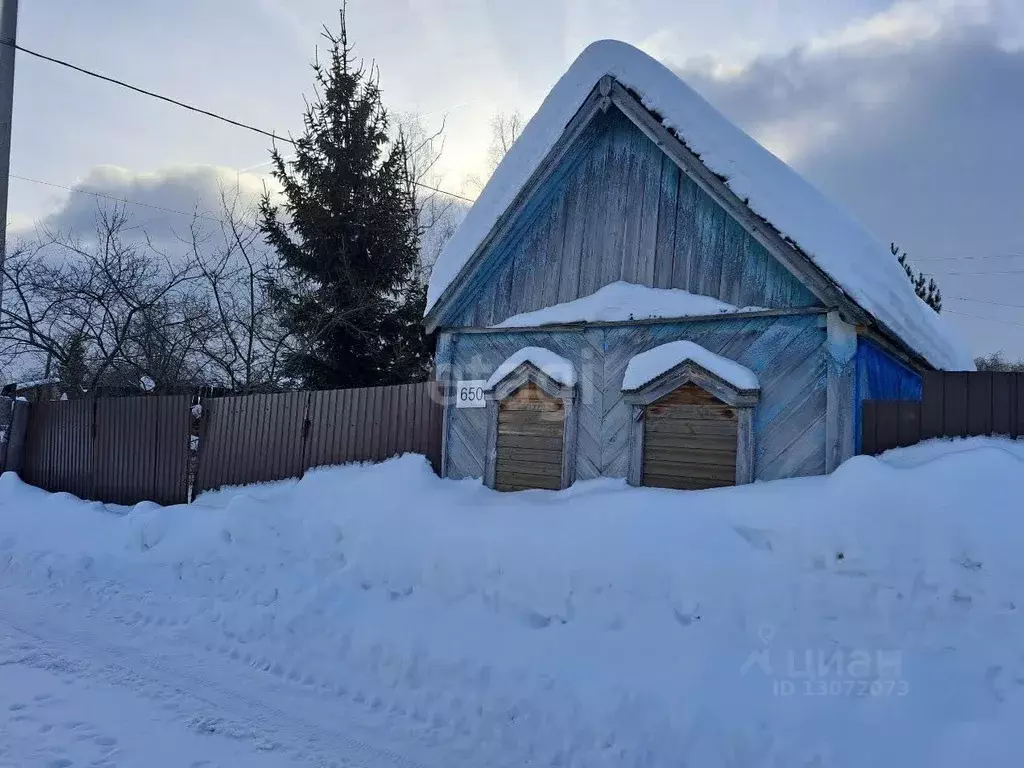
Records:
x=619, y=209
x=788, y=353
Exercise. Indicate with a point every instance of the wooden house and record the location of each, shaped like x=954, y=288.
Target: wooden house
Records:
x=643, y=291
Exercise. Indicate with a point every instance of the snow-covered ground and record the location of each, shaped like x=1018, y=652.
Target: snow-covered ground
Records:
x=379, y=616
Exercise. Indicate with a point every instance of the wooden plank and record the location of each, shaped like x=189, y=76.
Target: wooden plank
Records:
x=506, y=466
x=979, y=403
x=650, y=216
x=691, y=427
x=683, y=267
x=688, y=394
x=545, y=421
x=694, y=471
x=512, y=440
x=689, y=442
x=549, y=454
x=524, y=404
x=666, y=237
x=517, y=481
x=720, y=457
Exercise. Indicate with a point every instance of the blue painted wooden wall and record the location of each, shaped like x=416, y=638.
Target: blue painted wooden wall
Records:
x=880, y=376
x=617, y=208
x=788, y=353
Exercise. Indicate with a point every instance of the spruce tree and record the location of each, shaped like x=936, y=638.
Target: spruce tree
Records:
x=347, y=234
x=927, y=290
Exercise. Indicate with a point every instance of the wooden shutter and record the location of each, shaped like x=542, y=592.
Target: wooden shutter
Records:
x=689, y=441
x=531, y=429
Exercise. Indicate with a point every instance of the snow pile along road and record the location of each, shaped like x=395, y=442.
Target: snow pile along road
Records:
x=385, y=617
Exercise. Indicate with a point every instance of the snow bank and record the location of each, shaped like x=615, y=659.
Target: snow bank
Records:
x=546, y=361
x=861, y=265
x=869, y=618
x=649, y=365
x=625, y=301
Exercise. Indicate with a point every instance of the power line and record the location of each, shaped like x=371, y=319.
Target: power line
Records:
x=144, y=92
x=990, y=319
x=944, y=274
x=982, y=301
x=967, y=258
x=237, y=123
x=75, y=190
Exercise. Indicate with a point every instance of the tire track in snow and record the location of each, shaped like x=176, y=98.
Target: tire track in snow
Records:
x=311, y=736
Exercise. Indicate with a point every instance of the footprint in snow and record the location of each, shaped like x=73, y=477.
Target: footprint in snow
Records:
x=756, y=538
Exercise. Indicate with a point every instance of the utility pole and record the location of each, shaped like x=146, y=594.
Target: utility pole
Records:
x=8, y=37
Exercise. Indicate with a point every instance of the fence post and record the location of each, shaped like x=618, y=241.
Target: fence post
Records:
x=12, y=452
x=6, y=416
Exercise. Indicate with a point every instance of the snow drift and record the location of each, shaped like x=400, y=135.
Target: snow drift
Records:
x=869, y=618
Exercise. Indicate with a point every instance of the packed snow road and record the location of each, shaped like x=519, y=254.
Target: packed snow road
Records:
x=376, y=616
x=80, y=690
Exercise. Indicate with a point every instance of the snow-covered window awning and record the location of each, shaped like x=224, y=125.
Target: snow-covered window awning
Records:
x=677, y=362
x=537, y=360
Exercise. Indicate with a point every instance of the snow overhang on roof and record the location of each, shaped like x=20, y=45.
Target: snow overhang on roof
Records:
x=552, y=365
x=861, y=266
x=654, y=363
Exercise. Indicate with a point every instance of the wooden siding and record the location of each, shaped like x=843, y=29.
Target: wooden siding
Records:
x=788, y=353
x=619, y=209
x=531, y=427
x=689, y=441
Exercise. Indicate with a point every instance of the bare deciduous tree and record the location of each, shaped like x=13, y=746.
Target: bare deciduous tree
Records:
x=244, y=344
x=113, y=312
x=505, y=129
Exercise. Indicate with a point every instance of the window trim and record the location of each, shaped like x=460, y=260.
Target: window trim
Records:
x=689, y=372
x=519, y=377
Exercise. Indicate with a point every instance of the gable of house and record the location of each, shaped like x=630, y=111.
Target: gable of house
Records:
x=511, y=235
x=615, y=208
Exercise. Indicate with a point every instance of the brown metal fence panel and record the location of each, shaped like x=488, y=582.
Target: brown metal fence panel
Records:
x=173, y=433
x=953, y=404
x=260, y=438
x=58, y=447
x=126, y=450
x=374, y=424
x=115, y=450
x=251, y=439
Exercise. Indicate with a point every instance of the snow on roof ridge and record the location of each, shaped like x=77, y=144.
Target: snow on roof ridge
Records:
x=620, y=301
x=648, y=366
x=827, y=234
x=544, y=360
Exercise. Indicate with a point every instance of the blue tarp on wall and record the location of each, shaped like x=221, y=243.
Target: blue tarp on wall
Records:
x=881, y=377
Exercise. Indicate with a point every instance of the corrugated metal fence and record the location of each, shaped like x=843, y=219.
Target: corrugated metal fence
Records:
x=952, y=404
x=119, y=450
x=257, y=438
x=125, y=450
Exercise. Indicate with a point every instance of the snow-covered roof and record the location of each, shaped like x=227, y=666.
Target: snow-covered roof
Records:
x=649, y=365
x=625, y=301
x=547, y=362
x=853, y=258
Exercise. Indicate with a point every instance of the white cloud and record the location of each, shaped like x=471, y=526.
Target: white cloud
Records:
x=162, y=203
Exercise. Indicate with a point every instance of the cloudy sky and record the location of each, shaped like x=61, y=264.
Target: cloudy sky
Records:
x=910, y=113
